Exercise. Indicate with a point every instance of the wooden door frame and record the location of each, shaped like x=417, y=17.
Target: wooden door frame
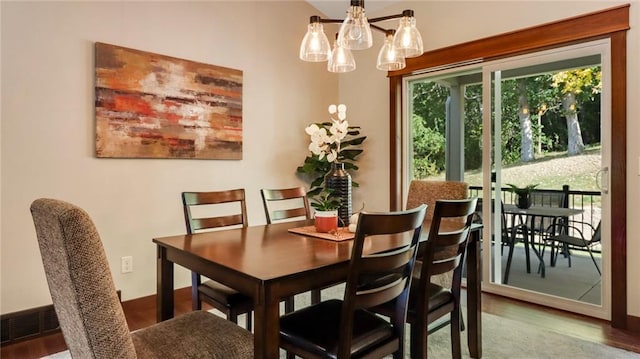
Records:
x=610, y=23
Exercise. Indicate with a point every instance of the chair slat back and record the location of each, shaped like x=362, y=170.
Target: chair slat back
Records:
x=382, y=277
x=191, y=200
x=272, y=196
x=444, y=250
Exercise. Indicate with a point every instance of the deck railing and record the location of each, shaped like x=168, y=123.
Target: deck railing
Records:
x=588, y=201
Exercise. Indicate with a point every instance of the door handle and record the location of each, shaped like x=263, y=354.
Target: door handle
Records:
x=602, y=180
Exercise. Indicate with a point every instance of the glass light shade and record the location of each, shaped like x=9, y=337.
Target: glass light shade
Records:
x=341, y=60
x=388, y=58
x=407, y=38
x=315, y=46
x=355, y=32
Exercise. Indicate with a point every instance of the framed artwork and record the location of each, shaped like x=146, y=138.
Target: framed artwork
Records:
x=155, y=106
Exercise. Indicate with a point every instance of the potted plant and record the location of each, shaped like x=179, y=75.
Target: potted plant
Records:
x=331, y=142
x=523, y=194
x=326, y=211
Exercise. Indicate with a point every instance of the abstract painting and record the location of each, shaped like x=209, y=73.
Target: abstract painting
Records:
x=155, y=106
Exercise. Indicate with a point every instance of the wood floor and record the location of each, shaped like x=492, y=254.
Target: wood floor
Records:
x=141, y=313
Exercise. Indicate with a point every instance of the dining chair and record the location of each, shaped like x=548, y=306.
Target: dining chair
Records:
x=285, y=204
x=572, y=234
x=347, y=328
x=89, y=311
x=200, y=214
x=442, y=252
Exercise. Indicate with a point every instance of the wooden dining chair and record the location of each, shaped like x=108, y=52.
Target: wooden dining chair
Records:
x=346, y=328
x=89, y=311
x=285, y=204
x=195, y=205
x=442, y=252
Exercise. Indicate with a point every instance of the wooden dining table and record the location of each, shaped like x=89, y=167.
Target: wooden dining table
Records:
x=270, y=263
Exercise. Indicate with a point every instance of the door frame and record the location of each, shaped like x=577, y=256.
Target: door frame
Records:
x=610, y=23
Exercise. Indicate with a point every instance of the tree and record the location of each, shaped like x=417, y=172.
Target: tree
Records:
x=524, y=115
x=576, y=86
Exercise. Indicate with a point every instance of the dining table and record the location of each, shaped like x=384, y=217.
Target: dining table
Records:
x=271, y=262
x=527, y=217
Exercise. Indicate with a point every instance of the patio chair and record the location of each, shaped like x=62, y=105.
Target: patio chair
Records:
x=347, y=328
x=89, y=311
x=573, y=236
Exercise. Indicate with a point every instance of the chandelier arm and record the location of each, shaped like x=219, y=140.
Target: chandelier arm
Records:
x=331, y=21
x=385, y=18
x=381, y=29
x=373, y=26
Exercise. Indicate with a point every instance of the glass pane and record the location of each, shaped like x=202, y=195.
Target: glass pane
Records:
x=547, y=154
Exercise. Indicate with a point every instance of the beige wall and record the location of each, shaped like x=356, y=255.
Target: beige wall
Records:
x=445, y=23
x=48, y=123
x=47, y=116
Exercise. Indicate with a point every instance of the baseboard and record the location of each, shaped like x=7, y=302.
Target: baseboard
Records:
x=633, y=323
x=29, y=324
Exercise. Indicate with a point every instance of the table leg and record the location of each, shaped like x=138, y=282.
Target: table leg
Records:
x=266, y=329
x=474, y=298
x=164, y=286
x=541, y=267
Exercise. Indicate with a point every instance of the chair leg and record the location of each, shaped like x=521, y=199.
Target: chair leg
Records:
x=315, y=296
x=289, y=305
x=233, y=316
x=196, y=303
x=508, y=267
x=418, y=340
x=594, y=260
x=249, y=321
x=456, y=351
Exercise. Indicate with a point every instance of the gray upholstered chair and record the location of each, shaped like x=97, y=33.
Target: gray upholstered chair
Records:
x=428, y=192
x=88, y=309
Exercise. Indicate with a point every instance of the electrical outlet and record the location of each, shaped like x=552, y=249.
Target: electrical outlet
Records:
x=126, y=264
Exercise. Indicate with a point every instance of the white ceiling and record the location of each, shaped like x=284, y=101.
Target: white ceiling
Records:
x=336, y=9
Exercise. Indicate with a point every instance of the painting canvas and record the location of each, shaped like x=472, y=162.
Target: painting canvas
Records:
x=154, y=106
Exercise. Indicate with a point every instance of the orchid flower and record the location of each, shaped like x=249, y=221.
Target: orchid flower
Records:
x=322, y=144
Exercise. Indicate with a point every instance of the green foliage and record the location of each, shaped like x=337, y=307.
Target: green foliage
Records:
x=544, y=94
x=314, y=169
x=428, y=149
x=325, y=201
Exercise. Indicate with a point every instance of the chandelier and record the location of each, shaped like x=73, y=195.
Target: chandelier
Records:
x=355, y=34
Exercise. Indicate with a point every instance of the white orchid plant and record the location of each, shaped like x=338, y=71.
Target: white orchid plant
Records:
x=328, y=144
x=332, y=141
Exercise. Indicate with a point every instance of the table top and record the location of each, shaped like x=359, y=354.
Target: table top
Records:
x=540, y=211
x=270, y=251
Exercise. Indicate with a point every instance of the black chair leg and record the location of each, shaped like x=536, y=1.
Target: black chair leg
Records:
x=289, y=305
x=509, y=257
x=315, y=296
x=249, y=321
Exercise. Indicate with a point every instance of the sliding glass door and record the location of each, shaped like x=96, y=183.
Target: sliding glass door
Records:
x=540, y=120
